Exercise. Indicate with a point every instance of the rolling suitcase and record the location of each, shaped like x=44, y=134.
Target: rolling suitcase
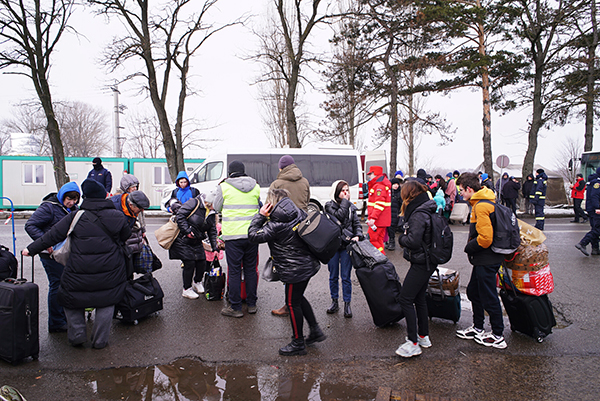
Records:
x=528, y=314
x=143, y=297
x=19, y=318
x=460, y=212
x=443, y=297
x=381, y=287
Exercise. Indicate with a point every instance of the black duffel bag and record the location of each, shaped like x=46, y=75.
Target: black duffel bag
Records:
x=8, y=264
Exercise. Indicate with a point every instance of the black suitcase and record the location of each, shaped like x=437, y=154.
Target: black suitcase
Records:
x=439, y=304
x=143, y=297
x=381, y=287
x=529, y=314
x=19, y=319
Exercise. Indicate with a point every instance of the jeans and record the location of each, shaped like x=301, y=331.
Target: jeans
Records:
x=77, y=326
x=299, y=308
x=483, y=295
x=340, y=262
x=414, y=303
x=193, y=269
x=241, y=253
x=56, y=314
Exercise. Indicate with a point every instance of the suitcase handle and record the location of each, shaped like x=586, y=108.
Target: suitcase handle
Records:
x=32, y=269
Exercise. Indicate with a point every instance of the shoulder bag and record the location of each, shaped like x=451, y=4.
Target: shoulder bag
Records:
x=168, y=232
x=62, y=250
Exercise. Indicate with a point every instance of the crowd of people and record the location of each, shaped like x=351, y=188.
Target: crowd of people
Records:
x=110, y=228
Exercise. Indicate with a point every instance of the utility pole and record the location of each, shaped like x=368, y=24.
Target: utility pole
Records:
x=117, y=128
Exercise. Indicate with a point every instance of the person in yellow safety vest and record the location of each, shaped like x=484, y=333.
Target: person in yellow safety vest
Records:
x=238, y=199
x=379, y=206
x=538, y=197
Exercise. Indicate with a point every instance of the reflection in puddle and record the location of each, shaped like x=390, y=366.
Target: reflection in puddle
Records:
x=187, y=379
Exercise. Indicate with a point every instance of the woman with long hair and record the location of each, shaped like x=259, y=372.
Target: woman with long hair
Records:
x=415, y=238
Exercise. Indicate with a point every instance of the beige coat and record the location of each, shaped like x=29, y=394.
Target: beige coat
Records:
x=291, y=178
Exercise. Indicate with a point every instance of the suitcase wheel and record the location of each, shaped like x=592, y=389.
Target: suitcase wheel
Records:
x=135, y=322
x=540, y=339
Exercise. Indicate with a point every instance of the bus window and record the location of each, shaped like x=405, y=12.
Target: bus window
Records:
x=258, y=167
x=327, y=169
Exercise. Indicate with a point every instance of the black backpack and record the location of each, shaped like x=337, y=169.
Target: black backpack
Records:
x=507, y=237
x=8, y=264
x=442, y=240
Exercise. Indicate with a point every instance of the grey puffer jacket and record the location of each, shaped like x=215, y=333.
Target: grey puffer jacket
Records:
x=291, y=256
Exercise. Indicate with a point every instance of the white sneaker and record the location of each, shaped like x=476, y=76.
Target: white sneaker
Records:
x=408, y=349
x=424, y=342
x=489, y=339
x=189, y=293
x=198, y=287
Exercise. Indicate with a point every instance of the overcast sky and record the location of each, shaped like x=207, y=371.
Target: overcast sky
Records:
x=228, y=100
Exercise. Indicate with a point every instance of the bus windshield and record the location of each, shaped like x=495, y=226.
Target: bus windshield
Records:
x=590, y=161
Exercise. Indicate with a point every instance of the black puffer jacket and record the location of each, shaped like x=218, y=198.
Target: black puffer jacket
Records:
x=185, y=248
x=291, y=256
x=416, y=232
x=94, y=276
x=346, y=214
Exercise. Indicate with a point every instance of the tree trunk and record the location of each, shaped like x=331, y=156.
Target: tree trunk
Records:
x=179, y=122
x=536, y=121
x=393, y=127
x=411, y=136
x=290, y=102
x=590, y=90
x=488, y=161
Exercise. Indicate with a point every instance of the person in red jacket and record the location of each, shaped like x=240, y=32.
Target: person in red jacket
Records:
x=379, y=206
x=577, y=191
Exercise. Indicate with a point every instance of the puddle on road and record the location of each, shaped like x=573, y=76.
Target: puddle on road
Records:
x=187, y=379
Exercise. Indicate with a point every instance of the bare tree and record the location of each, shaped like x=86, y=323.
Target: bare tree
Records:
x=567, y=160
x=29, y=33
x=164, y=38
x=143, y=137
x=29, y=118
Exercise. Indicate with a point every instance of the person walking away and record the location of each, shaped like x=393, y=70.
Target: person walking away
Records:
x=276, y=224
x=537, y=197
x=592, y=207
x=53, y=208
x=238, y=199
x=511, y=193
x=182, y=193
x=346, y=214
x=194, y=227
x=526, y=191
x=100, y=174
x=396, y=204
x=500, y=184
x=415, y=238
x=379, y=207
x=291, y=179
x=132, y=205
x=481, y=289
x=95, y=274
x=577, y=191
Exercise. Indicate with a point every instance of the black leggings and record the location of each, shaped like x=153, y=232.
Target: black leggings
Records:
x=299, y=308
x=195, y=269
x=413, y=301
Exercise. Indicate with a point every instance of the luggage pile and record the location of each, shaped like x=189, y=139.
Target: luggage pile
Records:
x=443, y=296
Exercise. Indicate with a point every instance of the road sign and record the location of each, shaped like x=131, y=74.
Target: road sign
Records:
x=502, y=161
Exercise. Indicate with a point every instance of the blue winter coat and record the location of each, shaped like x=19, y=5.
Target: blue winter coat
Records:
x=103, y=176
x=538, y=191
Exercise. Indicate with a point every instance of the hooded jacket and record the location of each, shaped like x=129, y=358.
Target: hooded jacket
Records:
x=200, y=223
x=578, y=189
x=50, y=212
x=347, y=216
x=502, y=180
x=95, y=274
x=181, y=195
x=291, y=256
x=238, y=198
x=481, y=230
x=416, y=232
x=538, y=190
x=379, y=205
x=510, y=190
x=527, y=185
x=291, y=178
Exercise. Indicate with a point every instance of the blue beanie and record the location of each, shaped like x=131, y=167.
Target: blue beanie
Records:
x=399, y=173
x=484, y=177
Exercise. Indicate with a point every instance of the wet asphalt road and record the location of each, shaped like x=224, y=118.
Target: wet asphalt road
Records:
x=356, y=359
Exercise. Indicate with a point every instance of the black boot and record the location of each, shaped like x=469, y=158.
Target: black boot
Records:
x=347, y=310
x=316, y=335
x=296, y=347
x=334, y=306
x=595, y=251
x=390, y=245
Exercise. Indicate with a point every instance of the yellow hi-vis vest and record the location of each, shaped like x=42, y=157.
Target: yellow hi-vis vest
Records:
x=238, y=210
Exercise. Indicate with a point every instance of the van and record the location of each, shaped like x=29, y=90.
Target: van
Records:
x=321, y=167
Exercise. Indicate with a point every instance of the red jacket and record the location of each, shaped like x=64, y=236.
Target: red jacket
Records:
x=379, y=205
x=578, y=189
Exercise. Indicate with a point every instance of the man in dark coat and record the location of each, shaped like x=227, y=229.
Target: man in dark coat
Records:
x=526, y=191
x=53, y=208
x=537, y=197
x=510, y=191
x=95, y=275
x=100, y=174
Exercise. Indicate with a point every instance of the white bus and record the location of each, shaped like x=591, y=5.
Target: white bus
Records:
x=321, y=167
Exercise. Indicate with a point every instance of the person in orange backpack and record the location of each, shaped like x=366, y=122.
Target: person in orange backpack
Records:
x=379, y=206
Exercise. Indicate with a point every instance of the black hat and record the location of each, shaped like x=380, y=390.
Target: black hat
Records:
x=139, y=199
x=539, y=170
x=97, y=160
x=236, y=167
x=93, y=189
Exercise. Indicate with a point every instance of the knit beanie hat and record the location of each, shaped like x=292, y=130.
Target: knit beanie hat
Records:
x=139, y=199
x=93, y=189
x=395, y=181
x=285, y=161
x=236, y=167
